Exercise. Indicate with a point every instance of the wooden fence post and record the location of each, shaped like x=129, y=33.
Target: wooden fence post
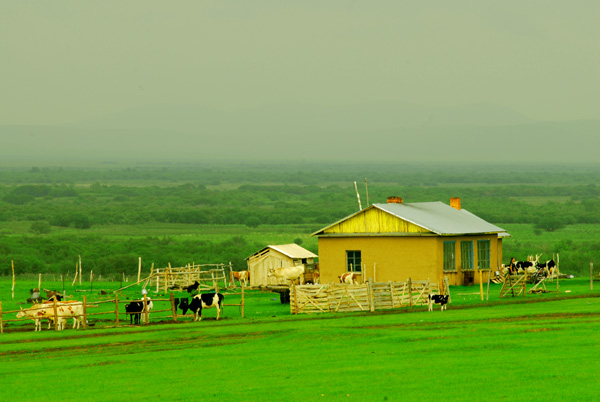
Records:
x=76, y=272
x=447, y=289
x=372, y=298
x=487, y=297
x=84, y=311
x=173, y=307
x=295, y=300
x=591, y=276
x=480, y=283
x=410, y=304
x=157, y=279
x=117, y=309
x=243, y=302
x=1, y=321
x=55, y=312
x=13, y=282
x=146, y=316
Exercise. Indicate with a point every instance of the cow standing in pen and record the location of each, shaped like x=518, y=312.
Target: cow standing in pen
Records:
x=242, y=276
x=349, y=278
x=286, y=274
x=206, y=300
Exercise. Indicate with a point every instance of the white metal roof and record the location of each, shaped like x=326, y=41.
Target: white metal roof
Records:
x=440, y=218
x=436, y=217
x=291, y=250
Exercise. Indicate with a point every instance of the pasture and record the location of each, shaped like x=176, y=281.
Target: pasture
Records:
x=541, y=346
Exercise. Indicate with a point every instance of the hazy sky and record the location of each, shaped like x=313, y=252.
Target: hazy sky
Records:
x=63, y=61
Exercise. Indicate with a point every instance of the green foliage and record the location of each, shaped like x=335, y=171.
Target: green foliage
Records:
x=550, y=223
x=276, y=199
x=252, y=221
x=41, y=227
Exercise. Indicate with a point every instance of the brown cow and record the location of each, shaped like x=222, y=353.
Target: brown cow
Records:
x=242, y=276
x=349, y=278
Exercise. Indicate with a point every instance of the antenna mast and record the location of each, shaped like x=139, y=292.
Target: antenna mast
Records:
x=357, y=196
x=367, y=189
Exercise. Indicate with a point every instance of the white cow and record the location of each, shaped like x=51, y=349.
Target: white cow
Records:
x=64, y=310
x=288, y=274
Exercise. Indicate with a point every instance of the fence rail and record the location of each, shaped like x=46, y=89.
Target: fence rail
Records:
x=369, y=296
x=114, y=313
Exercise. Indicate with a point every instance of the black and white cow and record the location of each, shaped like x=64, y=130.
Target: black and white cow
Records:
x=135, y=310
x=437, y=299
x=547, y=267
x=193, y=287
x=206, y=300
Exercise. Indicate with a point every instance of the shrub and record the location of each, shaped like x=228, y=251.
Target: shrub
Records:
x=40, y=227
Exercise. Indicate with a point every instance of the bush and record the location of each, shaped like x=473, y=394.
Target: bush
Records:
x=252, y=222
x=40, y=227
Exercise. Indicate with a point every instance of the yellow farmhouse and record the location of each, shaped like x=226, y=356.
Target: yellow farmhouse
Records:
x=397, y=241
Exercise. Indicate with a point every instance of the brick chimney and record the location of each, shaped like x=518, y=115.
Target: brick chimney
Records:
x=394, y=200
x=455, y=203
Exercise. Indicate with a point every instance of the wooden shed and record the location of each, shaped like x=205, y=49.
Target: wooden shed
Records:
x=421, y=241
x=284, y=255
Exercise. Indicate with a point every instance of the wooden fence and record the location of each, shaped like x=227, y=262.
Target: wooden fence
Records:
x=114, y=314
x=369, y=296
x=210, y=276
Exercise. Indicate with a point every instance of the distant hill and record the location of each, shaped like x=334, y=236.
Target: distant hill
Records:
x=375, y=132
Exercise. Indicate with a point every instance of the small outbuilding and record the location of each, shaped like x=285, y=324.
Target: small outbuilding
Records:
x=421, y=241
x=278, y=256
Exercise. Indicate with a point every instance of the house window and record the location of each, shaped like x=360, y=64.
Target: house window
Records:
x=483, y=254
x=466, y=255
x=353, y=261
x=449, y=258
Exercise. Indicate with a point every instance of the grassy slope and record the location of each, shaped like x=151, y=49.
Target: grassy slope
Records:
x=512, y=349
x=517, y=352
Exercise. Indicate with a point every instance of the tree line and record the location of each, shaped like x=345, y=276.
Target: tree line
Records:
x=255, y=195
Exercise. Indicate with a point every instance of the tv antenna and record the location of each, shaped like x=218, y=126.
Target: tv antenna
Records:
x=357, y=196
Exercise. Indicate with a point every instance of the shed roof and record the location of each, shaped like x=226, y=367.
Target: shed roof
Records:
x=291, y=250
x=436, y=217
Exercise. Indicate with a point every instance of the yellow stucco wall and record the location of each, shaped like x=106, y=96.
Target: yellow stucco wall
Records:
x=397, y=258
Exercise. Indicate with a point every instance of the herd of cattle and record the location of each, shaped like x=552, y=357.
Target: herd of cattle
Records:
x=532, y=266
x=139, y=310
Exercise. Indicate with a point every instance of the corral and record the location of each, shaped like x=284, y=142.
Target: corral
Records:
x=400, y=350
x=368, y=296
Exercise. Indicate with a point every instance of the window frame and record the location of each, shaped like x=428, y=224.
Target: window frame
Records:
x=484, y=252
x=352, y=256
x=467, y=258
x=449, y=255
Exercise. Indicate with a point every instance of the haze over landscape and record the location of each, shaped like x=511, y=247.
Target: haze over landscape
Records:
x=460, y=81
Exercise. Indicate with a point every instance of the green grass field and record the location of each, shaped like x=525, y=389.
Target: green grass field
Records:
x=538, y=347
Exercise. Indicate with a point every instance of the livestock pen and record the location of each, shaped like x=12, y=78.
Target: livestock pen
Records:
x=369, y=296
x=210, y=276
x=111, y=311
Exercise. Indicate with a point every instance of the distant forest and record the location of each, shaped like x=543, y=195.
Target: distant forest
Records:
x=547, y=197
x=280, y=194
